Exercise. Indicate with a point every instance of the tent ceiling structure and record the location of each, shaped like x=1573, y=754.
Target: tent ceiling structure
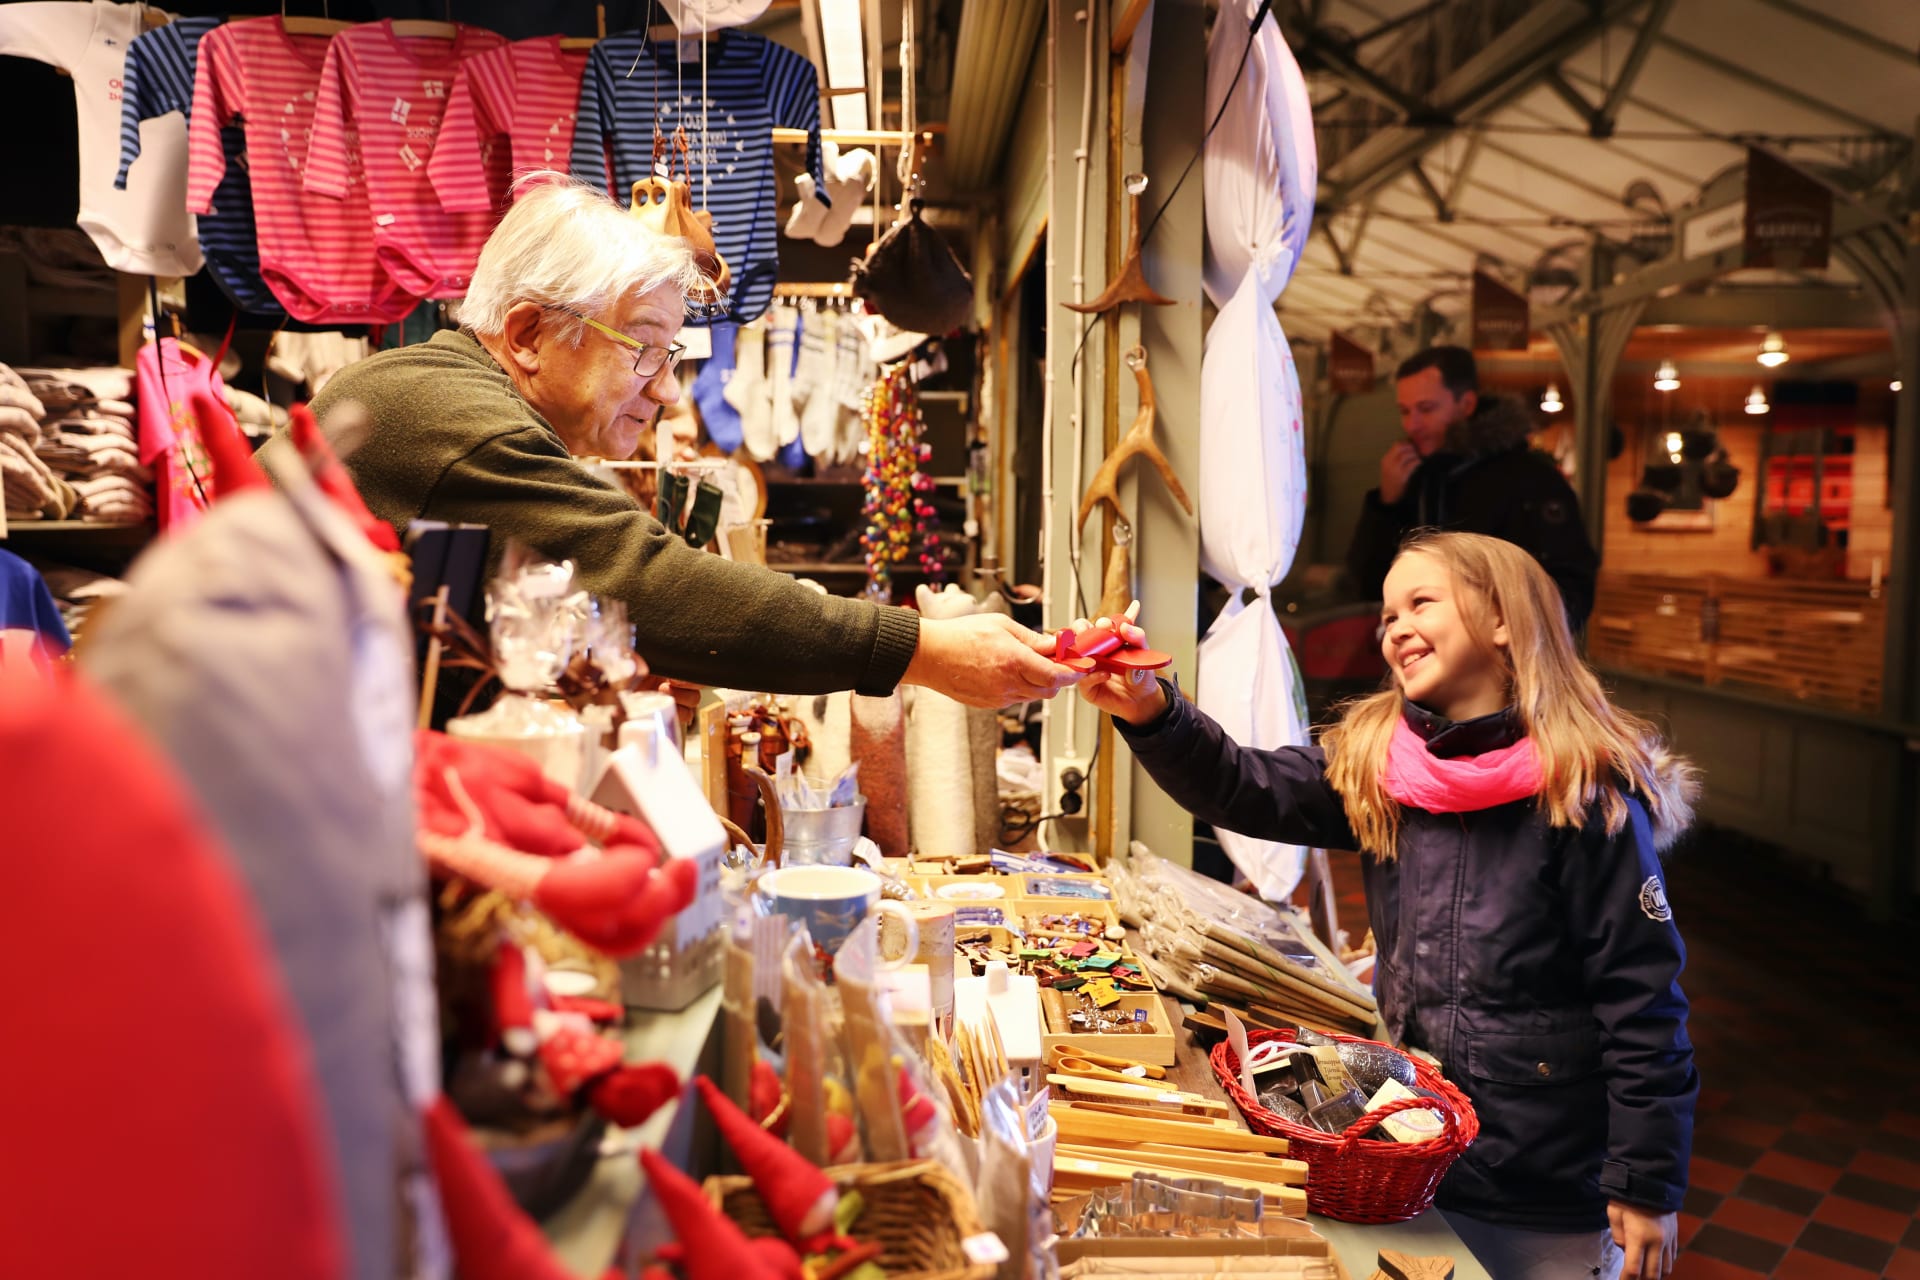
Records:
x=1510, y=133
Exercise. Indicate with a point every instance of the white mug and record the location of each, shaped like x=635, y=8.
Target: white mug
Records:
x=831, y=902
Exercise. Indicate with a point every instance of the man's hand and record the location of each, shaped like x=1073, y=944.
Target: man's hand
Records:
x=1135, y=697
x=1396, y=468
x=986, y=660
x=1650, y=1240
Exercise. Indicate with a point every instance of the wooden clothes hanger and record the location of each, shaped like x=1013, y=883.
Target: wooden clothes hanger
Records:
x=428, y=30
x=1131, y=284
x=587, y=42
x=1138, y=440
x=321, y=26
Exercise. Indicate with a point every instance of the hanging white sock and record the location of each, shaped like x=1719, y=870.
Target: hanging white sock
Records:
x=747, y=392
x=848, y=181
x=781, y=333
x=808, y=211
x=812, y=385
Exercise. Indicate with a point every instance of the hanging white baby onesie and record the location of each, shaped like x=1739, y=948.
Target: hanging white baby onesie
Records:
x=145, y=229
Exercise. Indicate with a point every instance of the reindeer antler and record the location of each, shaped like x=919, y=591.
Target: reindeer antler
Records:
x=1138, y=440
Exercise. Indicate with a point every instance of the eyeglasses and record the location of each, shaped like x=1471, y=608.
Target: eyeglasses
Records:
x=650, y=359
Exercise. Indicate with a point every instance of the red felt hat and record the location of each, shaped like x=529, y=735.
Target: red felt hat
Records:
x=629, y=1095
x=234, y=468
x=334, y=480
x=799, y=1196
x=713, y=1246
x=573, y=1058
x=492, y=1238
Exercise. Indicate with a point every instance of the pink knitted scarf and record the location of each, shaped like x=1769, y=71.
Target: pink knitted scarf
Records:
x=1419, y=779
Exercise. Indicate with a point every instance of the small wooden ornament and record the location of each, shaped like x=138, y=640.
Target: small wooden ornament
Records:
x=1131, y=284
x=1138, y=441
x=1402, y=1266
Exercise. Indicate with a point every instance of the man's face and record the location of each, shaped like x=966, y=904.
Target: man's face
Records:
x=591, y=394
x=1427, y=409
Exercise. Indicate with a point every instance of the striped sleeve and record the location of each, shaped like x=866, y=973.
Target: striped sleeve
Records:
x=219, y=94
x=329, y=171
x=593, y=119
x=793, y=93
x=157, y=81
x=473, y=120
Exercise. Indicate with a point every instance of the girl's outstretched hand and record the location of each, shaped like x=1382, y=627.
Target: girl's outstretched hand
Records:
x=1651, y=1240
x=1135, y=697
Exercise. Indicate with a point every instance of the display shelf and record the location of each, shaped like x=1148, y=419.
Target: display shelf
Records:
x=16, y=527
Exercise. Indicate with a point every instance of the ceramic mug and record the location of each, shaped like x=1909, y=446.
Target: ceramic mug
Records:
x=831, y=902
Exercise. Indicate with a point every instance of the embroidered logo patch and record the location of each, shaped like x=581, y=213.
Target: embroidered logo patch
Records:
x=1653, y=900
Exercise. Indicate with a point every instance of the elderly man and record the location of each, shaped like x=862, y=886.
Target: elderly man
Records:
x=567, y=351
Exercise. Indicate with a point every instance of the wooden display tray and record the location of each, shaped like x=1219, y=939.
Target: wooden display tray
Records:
x=1155, y=1046
x=1009, y=886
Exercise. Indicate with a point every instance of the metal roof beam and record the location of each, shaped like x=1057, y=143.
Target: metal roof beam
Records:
x=1734, y=71
x=1601, y=126
x=1498, y=74
x=1806, y=307
x=1827, y=22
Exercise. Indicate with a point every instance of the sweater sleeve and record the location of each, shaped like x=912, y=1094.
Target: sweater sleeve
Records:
x=458, y=168
x=793, y=90
x=329, y=164
x=1269, y=795
x=216, y=101
x=698, y=617
x=134, y=106
x=1376, y=541
x=1632, y=956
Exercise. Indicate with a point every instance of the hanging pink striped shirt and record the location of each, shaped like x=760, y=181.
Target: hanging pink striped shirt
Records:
x=517, y=101
x=394, y=90
x=316, y=255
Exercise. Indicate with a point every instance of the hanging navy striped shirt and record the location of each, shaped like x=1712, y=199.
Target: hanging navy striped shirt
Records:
x=752, y=87
x=158, y=80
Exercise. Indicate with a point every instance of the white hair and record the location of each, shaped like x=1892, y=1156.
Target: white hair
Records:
x=565, y=244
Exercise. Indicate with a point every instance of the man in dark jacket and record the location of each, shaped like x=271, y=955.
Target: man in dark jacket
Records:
x=1466, y=465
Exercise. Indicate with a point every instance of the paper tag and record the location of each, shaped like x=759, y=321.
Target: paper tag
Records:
x=1173, y=1096
x=985, y=1249
x=698, y=341
x=1332, y=1070
x=1136, y=1072
x=1413, y=1125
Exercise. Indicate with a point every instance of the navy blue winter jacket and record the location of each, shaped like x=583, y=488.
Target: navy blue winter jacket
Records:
x=1540, y=965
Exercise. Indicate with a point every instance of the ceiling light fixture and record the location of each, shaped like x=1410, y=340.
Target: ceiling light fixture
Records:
x=1757, y=401
x=1550, y=401
x=1773, y=351
x=1667, y=378
x=1674, y=443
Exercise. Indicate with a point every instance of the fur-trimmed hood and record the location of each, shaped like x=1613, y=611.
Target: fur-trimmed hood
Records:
x=1496, y=425
x=1670, y=796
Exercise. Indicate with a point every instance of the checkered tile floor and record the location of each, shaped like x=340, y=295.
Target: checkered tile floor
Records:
x=1806, y=1022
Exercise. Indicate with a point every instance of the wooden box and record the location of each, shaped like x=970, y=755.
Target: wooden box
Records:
x=1155, y=1045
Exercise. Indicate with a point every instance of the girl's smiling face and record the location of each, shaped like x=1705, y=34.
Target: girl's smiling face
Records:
x=1436, y=656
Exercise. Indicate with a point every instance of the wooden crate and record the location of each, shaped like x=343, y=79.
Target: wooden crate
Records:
x=1155, y=1046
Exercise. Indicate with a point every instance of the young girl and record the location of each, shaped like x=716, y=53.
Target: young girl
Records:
x=1510, y=822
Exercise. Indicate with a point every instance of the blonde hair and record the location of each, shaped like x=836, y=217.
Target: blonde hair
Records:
x=1591, y=752
x=565, y=244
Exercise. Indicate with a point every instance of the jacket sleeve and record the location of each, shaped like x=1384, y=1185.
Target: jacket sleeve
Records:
x=1376, y=540
x=1269, y=795
x=697, y=617
x=1546, y=521
x=1631, y=956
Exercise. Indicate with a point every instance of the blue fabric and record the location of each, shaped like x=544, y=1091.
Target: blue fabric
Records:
x=27, y=605
x=721, y=419
x=752, y=87
x=158, y=80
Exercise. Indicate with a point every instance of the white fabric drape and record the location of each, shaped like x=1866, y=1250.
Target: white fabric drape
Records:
x=1260, y=170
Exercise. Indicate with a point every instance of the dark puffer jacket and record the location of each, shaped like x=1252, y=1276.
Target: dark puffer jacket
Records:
x=1540, y=965
x=1485, y=480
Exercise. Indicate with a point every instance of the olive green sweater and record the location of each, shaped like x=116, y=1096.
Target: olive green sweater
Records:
x=451, y=439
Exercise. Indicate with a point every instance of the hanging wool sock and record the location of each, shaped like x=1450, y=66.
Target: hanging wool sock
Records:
x=810, y=209
x=939, y=753
x=781, y=334
x=849, y=178
x=717, y=414
x=812, y=385
x=852, y=374
x=879, y=743
x=748, y=393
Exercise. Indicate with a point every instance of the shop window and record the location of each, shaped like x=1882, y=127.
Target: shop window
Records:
x=1803, y=510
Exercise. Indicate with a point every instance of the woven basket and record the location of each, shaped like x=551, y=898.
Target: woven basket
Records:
x=1356, y=1179
x=917, y=1212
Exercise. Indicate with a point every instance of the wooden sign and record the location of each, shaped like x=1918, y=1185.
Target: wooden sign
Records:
x=1349, y=366
x=1789, y=217
x=1500, y=320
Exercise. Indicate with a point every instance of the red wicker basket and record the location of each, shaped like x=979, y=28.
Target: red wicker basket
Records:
x=1356, y=1179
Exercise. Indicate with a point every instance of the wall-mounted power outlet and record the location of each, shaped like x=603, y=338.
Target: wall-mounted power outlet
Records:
x=1069, y=789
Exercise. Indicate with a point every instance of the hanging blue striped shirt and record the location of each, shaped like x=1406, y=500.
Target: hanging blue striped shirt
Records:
x=158, y=80
x=752, y=87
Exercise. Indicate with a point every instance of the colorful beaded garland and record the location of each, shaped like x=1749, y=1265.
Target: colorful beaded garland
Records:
x=898, y=512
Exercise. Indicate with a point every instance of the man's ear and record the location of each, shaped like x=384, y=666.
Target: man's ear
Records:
x=1469, y=401
x=522, y=337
